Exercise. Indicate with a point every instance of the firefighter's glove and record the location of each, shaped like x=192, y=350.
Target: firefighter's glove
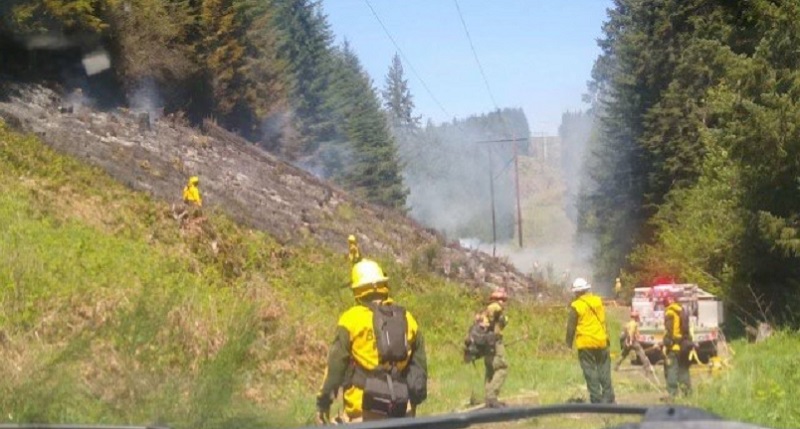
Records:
x=323, y=416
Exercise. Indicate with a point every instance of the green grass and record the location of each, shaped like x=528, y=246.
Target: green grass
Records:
x=112, y=314
x=763, y=386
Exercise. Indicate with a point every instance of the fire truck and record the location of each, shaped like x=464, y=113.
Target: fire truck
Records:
x=705, y=318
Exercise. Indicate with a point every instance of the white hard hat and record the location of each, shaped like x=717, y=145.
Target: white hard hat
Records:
x=580, y=284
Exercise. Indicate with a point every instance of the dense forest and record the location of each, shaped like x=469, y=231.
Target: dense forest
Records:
x=267, y=69
x=694, y=169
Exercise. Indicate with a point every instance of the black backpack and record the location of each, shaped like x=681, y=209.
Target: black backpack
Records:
x=686, y=333
x=390, y=328
x=479, y=342
x=388, y=392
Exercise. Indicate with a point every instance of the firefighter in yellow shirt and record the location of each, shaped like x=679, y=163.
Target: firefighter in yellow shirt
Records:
x=353, y=253
x=192, y=201
x=191, y=193
x=493, y=319
x=630, y=338
x=586, y=327
x=678, y=346
x=377, y=356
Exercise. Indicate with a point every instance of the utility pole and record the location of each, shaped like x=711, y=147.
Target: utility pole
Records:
x=491, y=192
x=516, y=184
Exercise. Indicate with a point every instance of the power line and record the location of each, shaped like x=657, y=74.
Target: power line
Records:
x=421, y=152
x=405, y=58
x=502, y=118
x=480, y=69
x=475, y=55
x=508, y=164
x=523, y=139
x=503, y=170
x=415, y=156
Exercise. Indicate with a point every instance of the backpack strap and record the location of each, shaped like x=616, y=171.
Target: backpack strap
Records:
x=595, y=314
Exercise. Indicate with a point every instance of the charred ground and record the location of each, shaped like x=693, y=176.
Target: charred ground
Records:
x=157, y=154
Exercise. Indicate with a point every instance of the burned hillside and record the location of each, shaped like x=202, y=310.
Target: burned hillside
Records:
x=157, y=154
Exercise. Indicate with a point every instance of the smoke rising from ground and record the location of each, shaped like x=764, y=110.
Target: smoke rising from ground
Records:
x=146, y=98
x=448, y=178
x=450, y=174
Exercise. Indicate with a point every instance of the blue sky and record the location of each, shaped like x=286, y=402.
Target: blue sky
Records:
x=536, y=54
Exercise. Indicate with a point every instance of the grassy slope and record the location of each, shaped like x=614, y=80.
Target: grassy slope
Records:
x=112, y=314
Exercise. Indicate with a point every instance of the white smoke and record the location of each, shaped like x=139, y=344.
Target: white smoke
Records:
x=449, y=176
x=553, y=252
x=147, y=98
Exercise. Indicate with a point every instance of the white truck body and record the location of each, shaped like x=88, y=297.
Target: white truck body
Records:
x=705, y=315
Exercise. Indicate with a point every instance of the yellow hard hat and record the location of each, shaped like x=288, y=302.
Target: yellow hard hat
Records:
x=367, y=277
x=351, y=238
x=194, y=180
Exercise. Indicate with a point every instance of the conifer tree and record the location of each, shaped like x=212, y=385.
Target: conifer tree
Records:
x=374, y=170
x=696, y=162
x=239, y=54
x=397, y=97
x=305, y=46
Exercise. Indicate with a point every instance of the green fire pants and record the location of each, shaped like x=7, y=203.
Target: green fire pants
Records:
x=596, y=366
x=496, y=371
x=676, y=371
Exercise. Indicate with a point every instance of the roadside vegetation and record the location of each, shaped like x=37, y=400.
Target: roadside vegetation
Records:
x=761, y=385
x=694, y=159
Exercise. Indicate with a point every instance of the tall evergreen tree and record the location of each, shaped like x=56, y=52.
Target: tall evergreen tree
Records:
x=397, y=98
x=696, y=164
x=239, y=53
x=374, y=169
x=305, y=45
x=223, y=53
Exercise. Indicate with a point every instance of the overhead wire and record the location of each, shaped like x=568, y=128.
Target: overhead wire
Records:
x=475, y=55
x=421, y=152
x=405, y=58
x=494, y=102
x=442, y=153
x=485, y=79
x=503, y=170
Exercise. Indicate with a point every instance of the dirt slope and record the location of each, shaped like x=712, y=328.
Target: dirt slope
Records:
x=249, y=184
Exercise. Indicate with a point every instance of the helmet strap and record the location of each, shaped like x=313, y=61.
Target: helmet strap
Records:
x=373, y=292
x=372, y=296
